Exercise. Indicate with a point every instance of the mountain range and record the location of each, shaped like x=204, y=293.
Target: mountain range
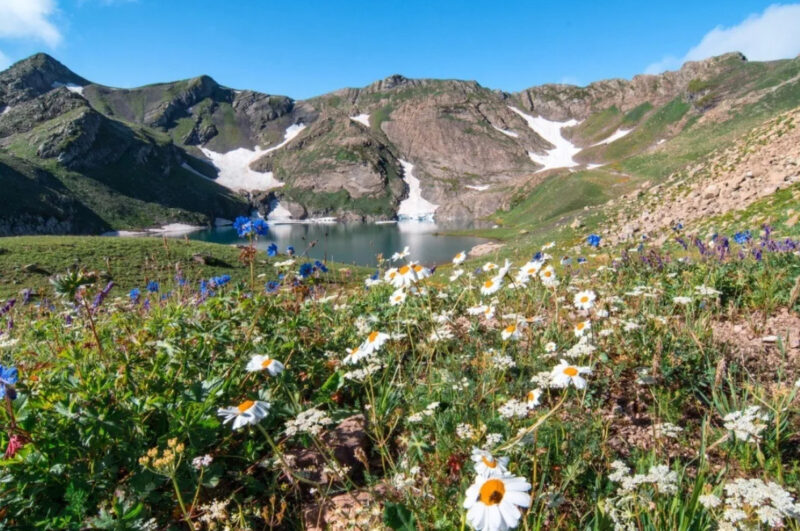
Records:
x=78, y=157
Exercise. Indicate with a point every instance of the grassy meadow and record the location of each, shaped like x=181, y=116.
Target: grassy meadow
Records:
x=630, y=388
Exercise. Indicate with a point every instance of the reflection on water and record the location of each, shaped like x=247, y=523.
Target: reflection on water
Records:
x=357, y=243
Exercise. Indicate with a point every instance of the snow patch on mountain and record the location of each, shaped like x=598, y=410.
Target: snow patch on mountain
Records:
x=562, y=155
x=72, y=87
x=512, y=134
x=361, y=118
x=619, y=133
x=479, y=188
x=414, y=206
x=234, y=166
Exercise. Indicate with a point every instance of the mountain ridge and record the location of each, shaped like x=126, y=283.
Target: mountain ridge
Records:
x=473, y=148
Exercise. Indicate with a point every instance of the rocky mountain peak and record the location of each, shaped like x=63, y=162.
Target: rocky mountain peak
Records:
x=33, y=77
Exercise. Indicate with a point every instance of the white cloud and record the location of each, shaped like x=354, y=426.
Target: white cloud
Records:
x=773, y=34
x=29, y=19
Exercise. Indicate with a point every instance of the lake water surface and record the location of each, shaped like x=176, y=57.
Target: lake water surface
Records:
x=356, y=243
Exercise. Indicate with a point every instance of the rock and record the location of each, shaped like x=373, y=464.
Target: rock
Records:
x=351, y=510
x=711, y=191
x=769, y=339
x=347, y=442
x=576, y=224
x=792, y=221
x=484, y=249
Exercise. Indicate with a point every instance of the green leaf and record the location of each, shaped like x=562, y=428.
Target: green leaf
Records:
x=399, y=517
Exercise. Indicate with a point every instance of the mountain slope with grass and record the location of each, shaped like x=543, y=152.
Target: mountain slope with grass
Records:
x=195, y=150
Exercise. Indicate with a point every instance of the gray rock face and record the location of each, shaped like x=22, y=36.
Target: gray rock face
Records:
x=33, y=77
x=561, y=102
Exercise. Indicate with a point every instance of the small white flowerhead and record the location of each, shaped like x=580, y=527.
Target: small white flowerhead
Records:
x=260, y=363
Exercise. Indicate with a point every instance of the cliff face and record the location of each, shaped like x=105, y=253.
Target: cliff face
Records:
x=474, y=150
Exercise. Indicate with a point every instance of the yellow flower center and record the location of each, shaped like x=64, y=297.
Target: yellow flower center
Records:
x=403, y=270
x=571, y=372
x=584, y=299
x=244, y=406
x=398, y=297
x=373, y=336
x=490, y=463
x=531, y=271
x=417, y=268
x=580, y=325
x=488, y=284
x=548, y=273
x=511, y=328
x=266, y=363
x=531, y=396
x=392, y=275
x=492, y=492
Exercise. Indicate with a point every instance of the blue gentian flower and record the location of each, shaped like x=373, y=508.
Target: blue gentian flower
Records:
x=272, y=286
x=306, y=270
x=581, y=260
x=593, y=240
x=152, y=286
x=742, y=237
x=134, y=294
x=538, y=256
x=272, y=250
x=260, y=227
x=322, y=267
x=8, y=377
x=245, y=226
x=242, y=226
x=290, y=250
x=375, y=276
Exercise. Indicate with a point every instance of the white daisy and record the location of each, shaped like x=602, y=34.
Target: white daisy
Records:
x=548, y=246
x=493, y=503
x=400, y=255
x=248, y=412
x=491, y=285
x=489, y=266
x=533, y=398
x=550, y=347
x=459, y=258
x=265, y=363
x=581, y=327
x=398, y=297
x=548, y=277
x=512, y=332
x=354, y=355
x=584, y=300
x=486, y=465
x=564, y=374
x=374, y=342
x=456, y=274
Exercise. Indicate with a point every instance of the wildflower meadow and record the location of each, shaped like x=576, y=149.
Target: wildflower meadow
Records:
x=609, y=390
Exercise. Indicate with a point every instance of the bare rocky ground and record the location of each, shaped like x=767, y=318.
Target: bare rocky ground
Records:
x=763, y=162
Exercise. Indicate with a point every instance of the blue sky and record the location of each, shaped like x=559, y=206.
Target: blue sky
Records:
x=306, y=48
